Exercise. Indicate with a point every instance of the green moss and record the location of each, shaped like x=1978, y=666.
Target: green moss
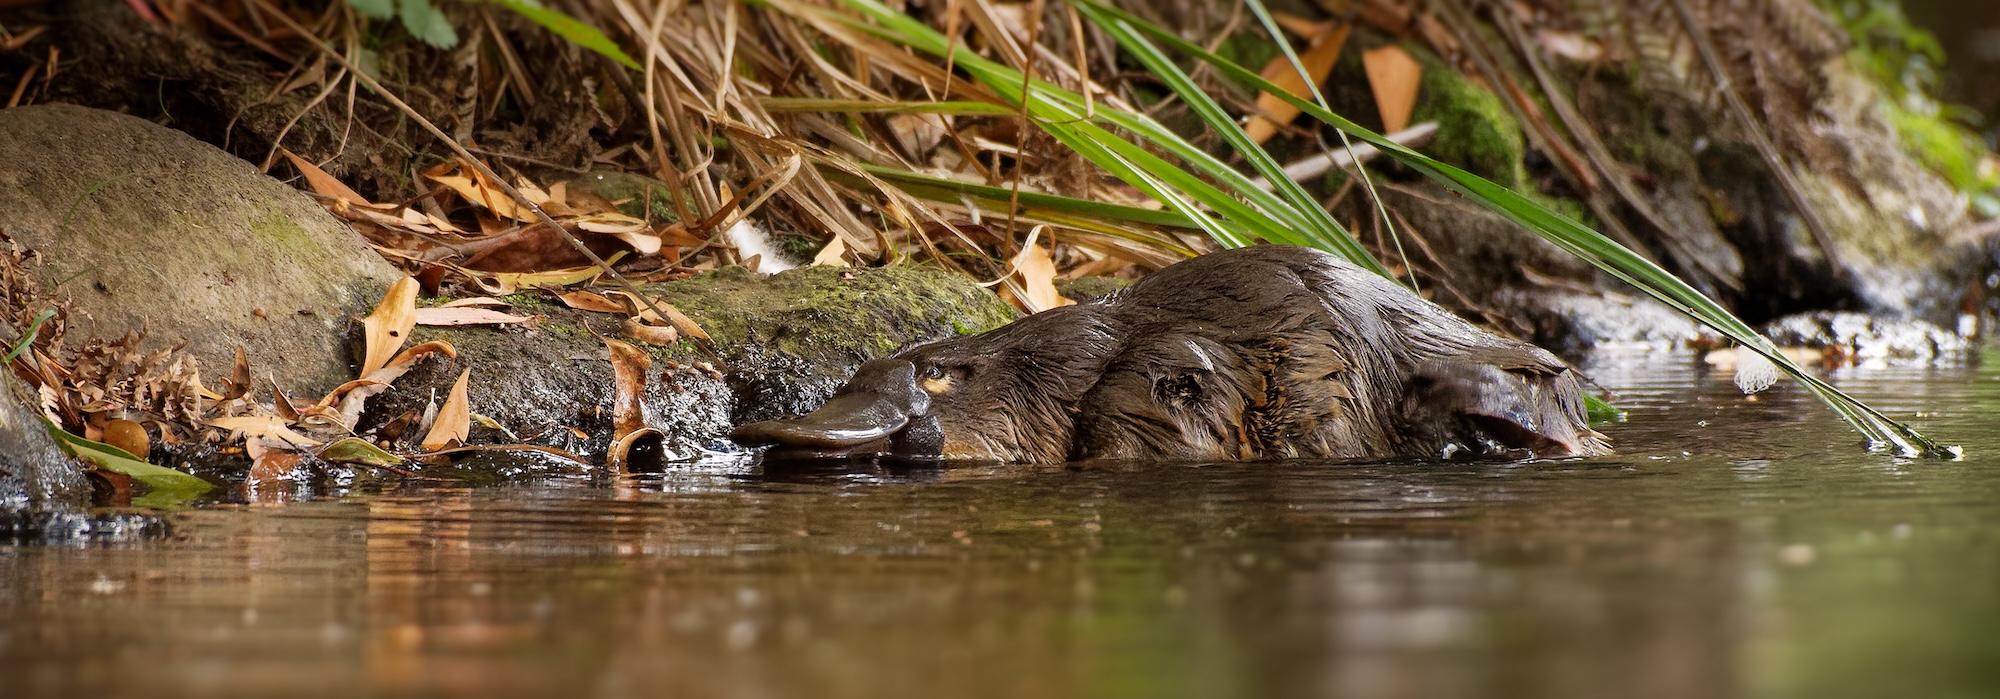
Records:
x=1902, y=60
x=1475, y=130
x=835, y=313
x=633, y=190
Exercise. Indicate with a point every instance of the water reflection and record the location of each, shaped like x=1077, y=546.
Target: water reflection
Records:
x=1734, y=548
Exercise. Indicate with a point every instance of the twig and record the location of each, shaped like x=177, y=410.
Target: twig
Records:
x=1600, y=157
x=1755, y=134
x=1316, y=165
x=484, y=171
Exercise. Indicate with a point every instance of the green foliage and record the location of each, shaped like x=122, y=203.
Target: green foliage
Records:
x=1903, y=60
x=168, y=487
x=426, y=23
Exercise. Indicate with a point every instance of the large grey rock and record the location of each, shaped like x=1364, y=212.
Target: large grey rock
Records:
x=149, y=229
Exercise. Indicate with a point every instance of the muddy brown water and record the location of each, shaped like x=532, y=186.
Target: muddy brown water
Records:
x=1733, y=548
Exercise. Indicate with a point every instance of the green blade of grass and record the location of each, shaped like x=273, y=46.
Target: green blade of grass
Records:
x=1325, y=233
x=811, y=104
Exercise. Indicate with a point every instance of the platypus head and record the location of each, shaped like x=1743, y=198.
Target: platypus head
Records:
x=1006, y=395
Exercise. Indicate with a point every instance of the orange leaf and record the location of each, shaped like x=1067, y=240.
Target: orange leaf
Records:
x=1394, y=76
x=588, y=301
x=389, y=325
x=1038, y=277
x=628, y=409
x=1318, y=59
x=465, y=315
x=454, y=420
x=324, y=184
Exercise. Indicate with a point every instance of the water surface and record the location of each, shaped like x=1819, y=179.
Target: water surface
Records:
x=1735, y=547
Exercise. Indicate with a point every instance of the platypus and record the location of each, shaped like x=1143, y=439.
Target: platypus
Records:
x=1264, y=352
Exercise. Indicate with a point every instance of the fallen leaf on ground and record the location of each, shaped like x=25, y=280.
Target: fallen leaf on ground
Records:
x=643, y=312
x=1317, y=59
x=469, y=184
x=590, y=301
x=1394, y=76
x=429, y=348
x=355, y=450
x=321, y=183
x=442, y=316
x=477, y=301
x=1038, y=274
x=661, y=335
x=266, y=426
x=389, y=325
x=454, y=420
x=628, y=367
x=833, y=255
x=271, y=463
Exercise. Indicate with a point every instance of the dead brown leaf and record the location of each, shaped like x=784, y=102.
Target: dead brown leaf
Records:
x=444, y=316
x=1317, y=59
x=589, y=301
x=454, y=420
x=639, y=310
x=1037, y=275
x=321, y=183
x=661, y=335
x=1394, y=76
x=628, y=366
x=389, y=325
x=264, y=426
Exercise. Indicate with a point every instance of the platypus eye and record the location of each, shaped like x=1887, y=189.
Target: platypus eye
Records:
x=939, y=380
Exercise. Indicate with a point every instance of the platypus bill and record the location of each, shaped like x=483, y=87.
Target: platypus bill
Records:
x=1265, y=352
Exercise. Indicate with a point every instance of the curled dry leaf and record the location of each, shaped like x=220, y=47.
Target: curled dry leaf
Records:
x=639, y=310
x=833, y=255
x=263, y=426
x=660, y=335
x=454, y=420
x=632, y=231
x=464, y=315
x=239, y=377
x=589, y=301
x=321, y=183
x=474, y=188
x=1038, y=275
x=628, y=367
x=389, y=325
x=424, y=350
x=1317, y=59
x=641, y=450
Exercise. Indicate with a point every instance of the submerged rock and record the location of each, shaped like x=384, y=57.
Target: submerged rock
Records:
x=149, y=230
x=783, y=344
x=35, y=476
x=1862, y=340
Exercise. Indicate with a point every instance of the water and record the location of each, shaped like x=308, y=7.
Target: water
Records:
x=1734, y=548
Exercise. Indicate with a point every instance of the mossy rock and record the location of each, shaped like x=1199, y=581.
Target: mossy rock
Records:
x=1475, y=130
x=782, y=345
x=149, y=230
x=641, y=195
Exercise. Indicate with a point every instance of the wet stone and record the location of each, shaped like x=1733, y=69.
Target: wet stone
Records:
x=1872, y=341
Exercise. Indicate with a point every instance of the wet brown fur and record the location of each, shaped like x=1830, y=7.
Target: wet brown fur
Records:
x=1262, y=353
